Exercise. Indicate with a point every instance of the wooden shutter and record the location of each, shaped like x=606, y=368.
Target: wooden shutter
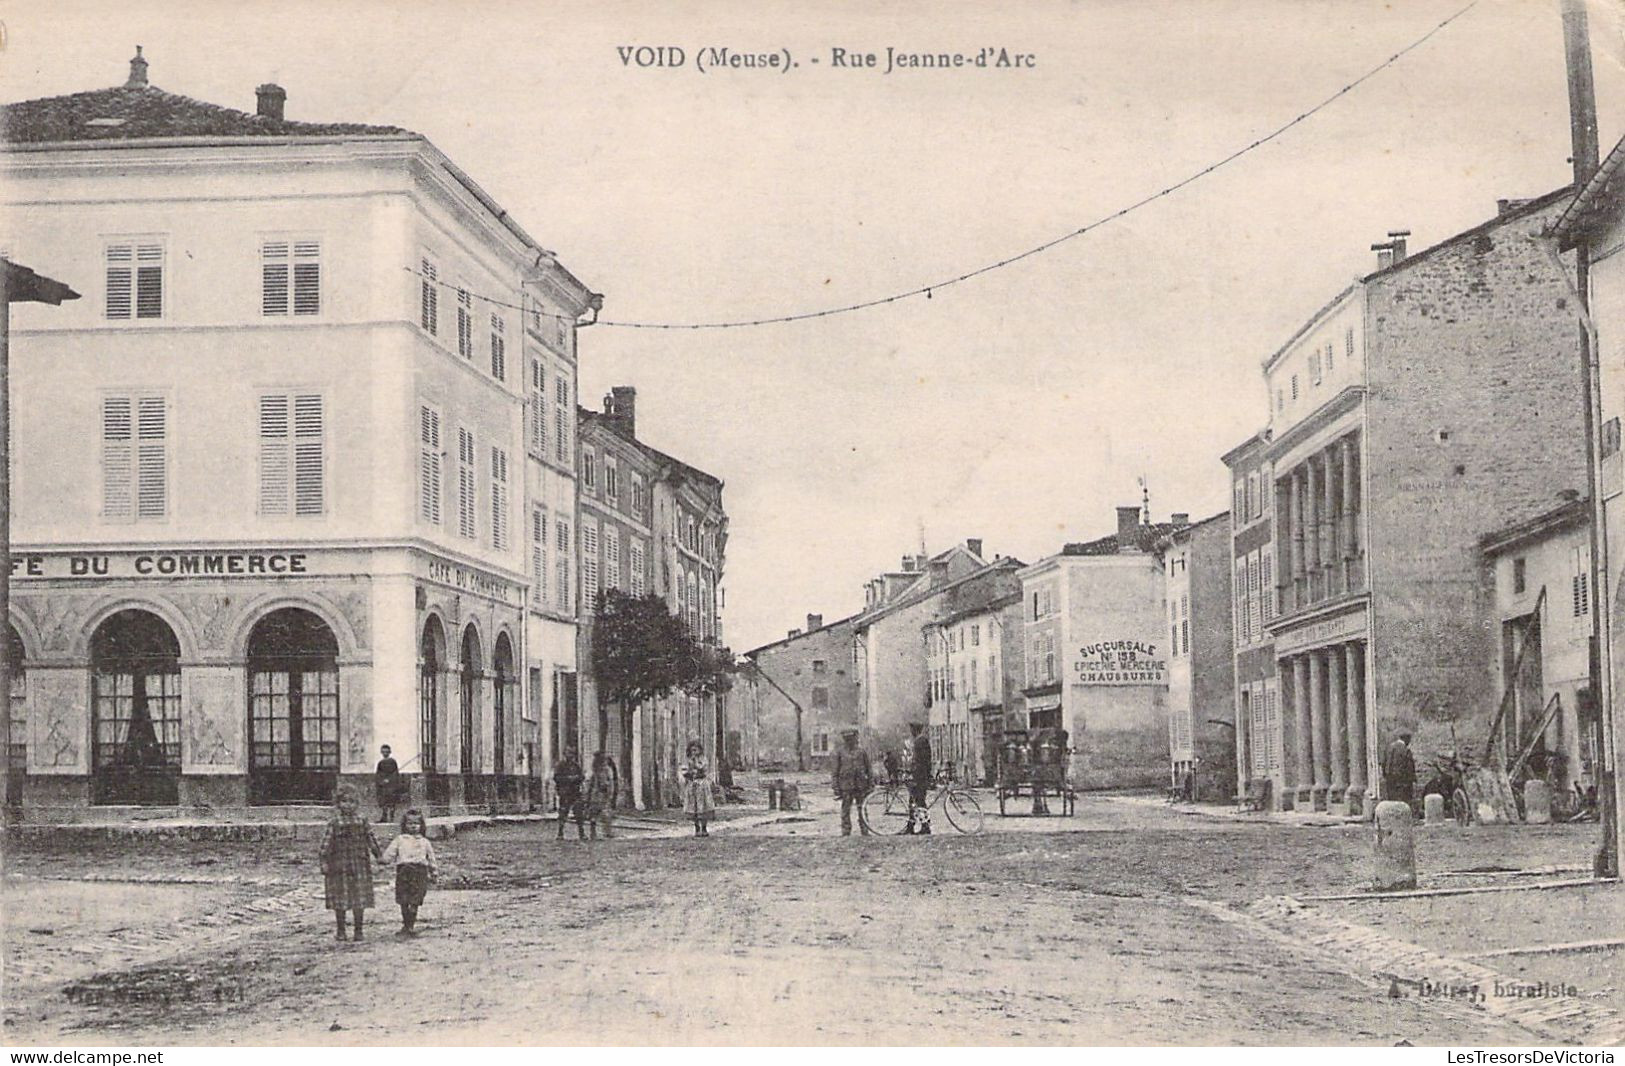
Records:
x=275, y=458
x=538, y=407
x=499, y=348
x=465, y=482
x=429, y=465
x=307, y=277
x=274, y=278
x=562, y=562
x=538, y=556
x=499, y=499
x=118, y=457
x=120, y=280
x=465, y=325
x=149, y=281
x=309, y=462
x=429, y=297
x=151, y=458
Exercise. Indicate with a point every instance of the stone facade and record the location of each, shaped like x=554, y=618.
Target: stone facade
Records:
x=798, y=695
x=1197, y=561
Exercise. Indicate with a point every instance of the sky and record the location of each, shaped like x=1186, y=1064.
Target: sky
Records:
x=1019, y=407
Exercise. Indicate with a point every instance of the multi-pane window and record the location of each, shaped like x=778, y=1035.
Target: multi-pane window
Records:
x=538, y=556
x=467, y=491
x=589, y=564
x=499, y=499
x=638, y=499
x=499, y=347
x=135, y=280
x=612, y=557
x=976, y=636
x=634, y=551
x=561, y=563
x=17, y=757
x=589, y=471
x=465, y=324
x=612, y=480
x=292, y=463
x=428, y=296
x=290, y=277
x=135, y=457
x=538, y=406
x=1520, y=572
x=429, y=465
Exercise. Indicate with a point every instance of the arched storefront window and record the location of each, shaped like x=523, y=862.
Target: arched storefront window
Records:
x=432, y=658
x=470, y=702
x=17, y=755
x=293, y=709
x=135, y=665
x=502, y=693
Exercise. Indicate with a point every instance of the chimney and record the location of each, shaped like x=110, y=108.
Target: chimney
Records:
x=138, y=71
x=939, y=571
x=974, y=546
x=271, y=98
x=1128, y=527
x=907, y=566
x=1181, y=518
x=621, y=406
x=1396, y=240
x=1385, y=255
x=794, y=633
x=815, y=621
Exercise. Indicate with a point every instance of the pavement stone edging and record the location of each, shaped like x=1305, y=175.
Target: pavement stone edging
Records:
x=1377, y=955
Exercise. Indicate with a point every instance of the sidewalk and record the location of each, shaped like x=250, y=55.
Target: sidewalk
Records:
x=1231, y=813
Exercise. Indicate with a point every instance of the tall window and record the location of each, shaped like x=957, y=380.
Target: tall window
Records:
x=135, y=280
x=589, y=471
x=561, y=564
x=429, y=465
x=538, y=556
x=1266, y=584
x=293, y=708
x=638, y=498
x=292, y=463
x=135, y=457
x=467, y=491
x=290, y=277
x=135, y=710
x=612, y=557
x=429, y=296
x=612, y=480
x=561, y=417
x=499, y=347
x=499, y=499
x=17, y=757
x=589, y=565
x=538, y=407
x=634, y=551
x=465, y=324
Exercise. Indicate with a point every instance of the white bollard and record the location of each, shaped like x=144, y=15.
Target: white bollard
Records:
x=1432, y=809
x=1537, y=802
x=1395, y=851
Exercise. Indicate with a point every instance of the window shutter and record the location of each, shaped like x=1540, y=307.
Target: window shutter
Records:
x=429, y=297
x=118, y=473
x=151, y=459
x=429, y=465
x=149, y=281
x=275, y=462
x=499, y=348
x=465, y=483
x=562, y=563
x=499, y=499
x=274, y=278
x=538, y=408
x=1266, y=582
x=120, y=280
x=1254, y=607
x=307, y=278
x=465, y=325
x=309, y=465
x=538, y=556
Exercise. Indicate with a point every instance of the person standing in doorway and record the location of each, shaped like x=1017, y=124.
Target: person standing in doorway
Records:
x=348, y=850
x=852, y=778
x=697, y=803
x=387, y=782
x=1399, y=770
x=919, y=781
x=567, y=777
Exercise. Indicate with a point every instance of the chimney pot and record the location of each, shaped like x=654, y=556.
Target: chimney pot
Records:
x=974, y=546
x=1385, y=255
x=138, y=71
x=1128, y=528
x=794, y=633
x=1396, y=238
x=622, y=406
x=270, y=98
x=815, y=621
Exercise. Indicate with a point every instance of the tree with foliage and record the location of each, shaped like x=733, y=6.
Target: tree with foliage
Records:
x=640, y=652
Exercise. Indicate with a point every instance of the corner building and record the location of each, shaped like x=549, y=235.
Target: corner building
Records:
x=1432, y=402
x=270, y=473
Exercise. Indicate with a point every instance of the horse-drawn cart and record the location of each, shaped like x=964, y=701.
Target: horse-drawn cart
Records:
x=1033, y=764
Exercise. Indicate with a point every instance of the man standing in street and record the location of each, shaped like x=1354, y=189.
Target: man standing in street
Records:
x=919, y=781
x=1399, y=770
x=387, y=780
x=567, y=777
x=852, y=778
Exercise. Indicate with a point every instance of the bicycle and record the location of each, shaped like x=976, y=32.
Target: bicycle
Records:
x=886, y=808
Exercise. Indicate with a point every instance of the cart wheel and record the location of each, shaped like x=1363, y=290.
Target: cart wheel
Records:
x=963, y=812
x=884, y=810
x=1463, y=809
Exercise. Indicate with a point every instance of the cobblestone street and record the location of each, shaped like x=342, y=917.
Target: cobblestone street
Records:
x=1140, y=924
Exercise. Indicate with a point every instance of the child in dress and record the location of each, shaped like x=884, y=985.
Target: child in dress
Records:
x=348, y=849
x=413, y=857
x=697, y=803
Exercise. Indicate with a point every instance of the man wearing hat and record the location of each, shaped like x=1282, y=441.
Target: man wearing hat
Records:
x=919, y=781
x=852, y=778
x=1399, y=769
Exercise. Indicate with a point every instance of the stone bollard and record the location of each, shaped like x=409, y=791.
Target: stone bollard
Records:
x=1537, y=802
x=1432, y=809
x=1395, y=852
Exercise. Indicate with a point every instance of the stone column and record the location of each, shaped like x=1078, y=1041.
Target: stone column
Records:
x=1320, y=725
x=1351, y=502
x=1337, y=697
x=1329, y=521
x=1301, y=712
x=1354, y=670
x=1312, y=519
x=1295, y=529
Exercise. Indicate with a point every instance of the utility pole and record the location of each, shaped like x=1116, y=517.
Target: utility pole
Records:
x=18, y=284
x=1583, y=141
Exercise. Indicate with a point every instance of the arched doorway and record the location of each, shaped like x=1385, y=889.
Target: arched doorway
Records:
x=503, y=690
x=293, y=709
x=469, y=704
x=17, y=710
x=135, y=671
x=431, y=665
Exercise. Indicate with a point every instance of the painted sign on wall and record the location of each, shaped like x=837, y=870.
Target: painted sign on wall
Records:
x=1119, y=662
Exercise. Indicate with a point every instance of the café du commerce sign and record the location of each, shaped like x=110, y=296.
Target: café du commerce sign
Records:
x=1119, y=662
